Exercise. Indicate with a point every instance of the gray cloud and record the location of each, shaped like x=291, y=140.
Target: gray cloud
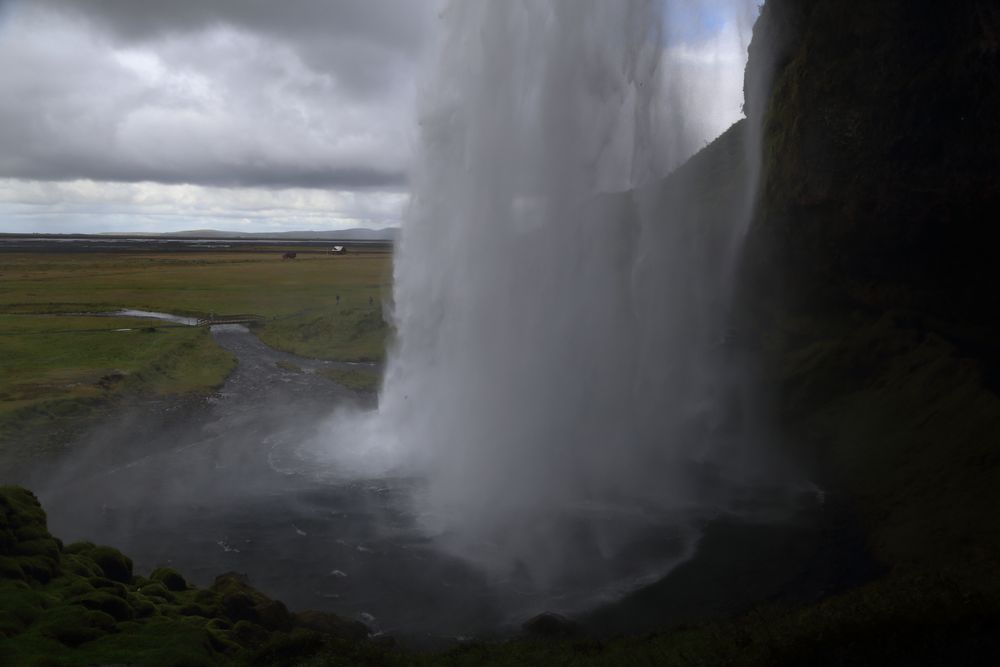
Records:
x=67, y=206
x=277, y=114
x=392, y=23
x=361, y=42
x=215, y=92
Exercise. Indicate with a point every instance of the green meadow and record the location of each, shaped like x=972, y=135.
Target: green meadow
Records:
x=298, y=298
x=58, y=360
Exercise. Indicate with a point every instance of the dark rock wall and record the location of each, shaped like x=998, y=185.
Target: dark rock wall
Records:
x=871, y=269
x=881, y=146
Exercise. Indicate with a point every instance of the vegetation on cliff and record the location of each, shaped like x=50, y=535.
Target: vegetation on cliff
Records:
x=869, y=284
x=868, y=278
x=62, y=368
x=82, y=604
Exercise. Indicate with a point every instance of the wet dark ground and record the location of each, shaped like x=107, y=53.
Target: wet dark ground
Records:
x=194, y=486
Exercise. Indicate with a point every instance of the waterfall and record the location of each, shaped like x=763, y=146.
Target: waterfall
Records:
x=562, y=377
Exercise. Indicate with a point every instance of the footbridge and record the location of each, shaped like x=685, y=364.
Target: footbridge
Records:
x=230, y=319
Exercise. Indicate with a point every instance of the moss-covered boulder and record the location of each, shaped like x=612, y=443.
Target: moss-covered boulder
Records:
x=158, y=592
x=73, y=625
x=113, y=605
x=83, y=604
x=27, y=550
x=170, y=578
x=238, y=601
x=115, y=565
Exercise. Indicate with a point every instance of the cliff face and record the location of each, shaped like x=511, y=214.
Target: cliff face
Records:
x=870, y=276
x=881, y=147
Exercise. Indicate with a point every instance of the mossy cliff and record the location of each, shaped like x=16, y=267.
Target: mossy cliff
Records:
x=870, y=276
x=82, y=605
x=880, y=150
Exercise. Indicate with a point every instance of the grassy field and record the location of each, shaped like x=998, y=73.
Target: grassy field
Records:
x=57, y=363
x=58, y=370
x=316, y=305
x=359, y=379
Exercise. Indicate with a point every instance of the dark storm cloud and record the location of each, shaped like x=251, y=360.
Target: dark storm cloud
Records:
x=215, y=92
x=389, y=22
x=361, y=41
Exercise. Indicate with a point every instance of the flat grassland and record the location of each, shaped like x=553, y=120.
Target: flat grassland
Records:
x=58, y=359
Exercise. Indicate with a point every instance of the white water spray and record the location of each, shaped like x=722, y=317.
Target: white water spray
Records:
x=560, y=378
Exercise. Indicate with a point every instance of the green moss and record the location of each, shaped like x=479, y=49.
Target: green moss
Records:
x=80, y=565
x=72, y=625
x=170, y=578
x=20, y=606
x=25, y=543
x=70, y=585
x=91, y=610
x=195, y=609
x=114, y=606
x=115, y=565
x=157, y=591
x=156, y=642
x=10, y=568
x=142, y=606
x=19, y=511
x=248, y=633
x=81, y=547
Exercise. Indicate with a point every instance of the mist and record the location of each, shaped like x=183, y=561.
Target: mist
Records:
x=565, y=381
x=569, y=401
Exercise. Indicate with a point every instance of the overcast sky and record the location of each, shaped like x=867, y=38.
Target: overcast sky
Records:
x=246, y=115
